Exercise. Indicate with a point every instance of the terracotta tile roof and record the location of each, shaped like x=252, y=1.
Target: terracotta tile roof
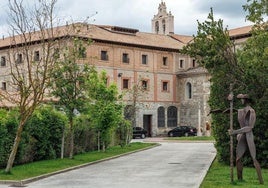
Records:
x=192, y=71
x=138, y=38
x=241, y=31
x=182, y=38
x=120, y=35
x=234, y=33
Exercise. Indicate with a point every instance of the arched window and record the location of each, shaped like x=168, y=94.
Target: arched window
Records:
x=129, y=113
x=157, y=27
x=161, y=116
x=189, y=90
x=172, y=114
x=164, y=26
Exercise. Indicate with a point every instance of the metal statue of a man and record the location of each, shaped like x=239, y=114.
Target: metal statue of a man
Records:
x=246, y=118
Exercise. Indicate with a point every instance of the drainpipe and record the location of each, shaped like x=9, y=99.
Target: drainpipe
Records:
x=199, y=120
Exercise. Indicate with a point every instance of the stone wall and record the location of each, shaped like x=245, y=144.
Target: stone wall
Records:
x=190, y=108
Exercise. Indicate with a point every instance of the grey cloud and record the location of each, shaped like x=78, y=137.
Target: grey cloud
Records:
x=230, y=8
x=138, y=13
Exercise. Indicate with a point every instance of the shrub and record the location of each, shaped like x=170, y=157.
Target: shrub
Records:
x=43, y=133
x=8, y=126
x=85, y=138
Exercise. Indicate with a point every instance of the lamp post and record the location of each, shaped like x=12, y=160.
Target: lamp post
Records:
x=199, y=133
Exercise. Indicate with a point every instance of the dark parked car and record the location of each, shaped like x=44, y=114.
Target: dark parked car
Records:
x=139, y=132
x=183, y=131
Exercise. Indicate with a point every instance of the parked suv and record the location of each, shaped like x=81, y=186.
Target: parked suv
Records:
x=139, y=132
x=183, y=131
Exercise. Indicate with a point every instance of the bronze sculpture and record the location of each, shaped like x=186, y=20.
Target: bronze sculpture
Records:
x=246, y=118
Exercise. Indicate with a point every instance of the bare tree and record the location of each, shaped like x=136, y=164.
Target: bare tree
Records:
x=138, y=90
x=30, y=60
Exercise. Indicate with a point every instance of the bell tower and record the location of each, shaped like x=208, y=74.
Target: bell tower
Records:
x=163, y=22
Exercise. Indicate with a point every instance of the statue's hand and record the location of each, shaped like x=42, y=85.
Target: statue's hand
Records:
x=238, y=137
x=230, y=97
x=230, y=132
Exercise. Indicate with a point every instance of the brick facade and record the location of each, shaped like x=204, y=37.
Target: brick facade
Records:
x=177, y=89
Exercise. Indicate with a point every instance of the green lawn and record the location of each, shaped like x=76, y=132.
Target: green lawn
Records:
x=192, y=138
x=218, y=176
x=34, y=169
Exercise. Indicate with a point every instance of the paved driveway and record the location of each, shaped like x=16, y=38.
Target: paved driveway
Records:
x=170, y=165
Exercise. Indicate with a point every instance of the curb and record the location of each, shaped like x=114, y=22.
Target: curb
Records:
x=21, y=183
x=202, y=177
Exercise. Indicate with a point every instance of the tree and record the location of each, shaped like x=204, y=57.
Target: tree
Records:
x=134, y=95
x=256, y=9
x=43, y=142
x=69, y=81
x=29, y=69
x=253, y=60
x=246, y=68
x=214, y=50
x=105, y=109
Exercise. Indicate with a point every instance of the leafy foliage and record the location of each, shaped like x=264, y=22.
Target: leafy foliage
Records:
x=8, y=125
x=246, y=69
x=69, y=82
x=124, y=133
x=41, y=138
x=84, y=135
x=256, y=9
x=105, y=109
x=44, y=141
x=28, y=76
x=253, y=60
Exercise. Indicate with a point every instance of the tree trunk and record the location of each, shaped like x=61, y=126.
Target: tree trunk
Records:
x=62, y=143
x=103, y=146
x=14, y=148
x=71, y=139
x=98, y=140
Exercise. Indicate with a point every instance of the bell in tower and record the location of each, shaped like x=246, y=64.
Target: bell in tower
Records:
x=163, y=22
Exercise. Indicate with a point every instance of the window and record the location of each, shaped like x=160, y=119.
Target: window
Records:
x=164, y=26
x=125, y=58
x=165, y=63
x=194, y=63
x=157, y=27
x=104, y=55
x=164, y=86
x=144, y=84
x=181, y=63
x=189, y=90
x=3, y=61
x=172, y=114
x=144, y=59
x=4, y=86
x=161, y=116
x=19, y=58
x=36, y=56
x=125, y=83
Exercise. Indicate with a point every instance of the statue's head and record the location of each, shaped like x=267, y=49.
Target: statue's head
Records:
x=244, y=98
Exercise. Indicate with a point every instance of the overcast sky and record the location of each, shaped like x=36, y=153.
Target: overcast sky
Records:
x=137, y=14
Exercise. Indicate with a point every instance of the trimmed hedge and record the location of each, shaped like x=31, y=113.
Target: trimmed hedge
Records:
x=41, y=138
x=42, y=135
x=8, y=125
